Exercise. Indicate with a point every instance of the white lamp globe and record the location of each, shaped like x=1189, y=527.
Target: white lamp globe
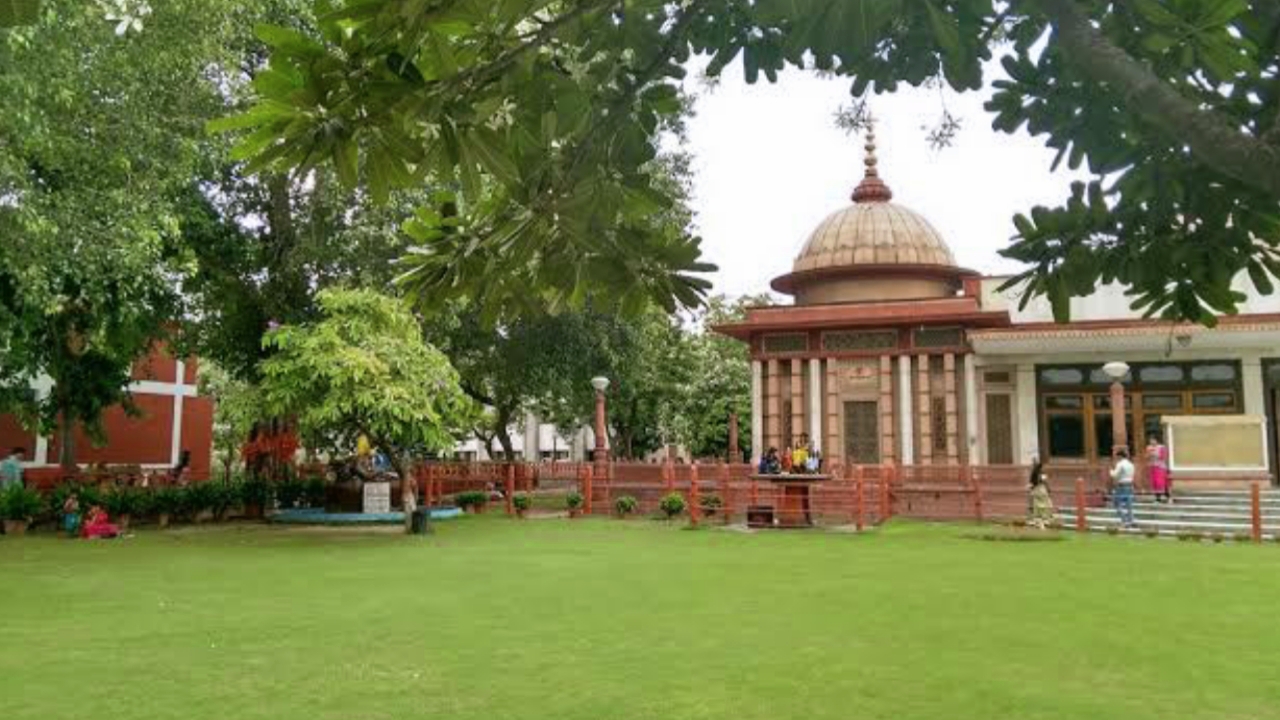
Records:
x=600, y=383
x=1116, y=370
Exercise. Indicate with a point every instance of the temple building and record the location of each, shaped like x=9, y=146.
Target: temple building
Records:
x=892, y=353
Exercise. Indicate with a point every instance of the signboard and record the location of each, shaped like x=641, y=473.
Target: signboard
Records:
x=377, y=497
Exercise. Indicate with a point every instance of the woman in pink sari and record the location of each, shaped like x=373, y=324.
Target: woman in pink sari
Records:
x=98, y=525
x=1158, y=468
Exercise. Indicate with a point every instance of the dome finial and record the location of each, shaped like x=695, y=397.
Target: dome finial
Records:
x=872, y=188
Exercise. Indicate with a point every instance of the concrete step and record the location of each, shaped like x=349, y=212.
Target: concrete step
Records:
x=1206, y=525
x=1171, y=533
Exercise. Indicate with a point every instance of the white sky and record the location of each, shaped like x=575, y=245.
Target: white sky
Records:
x=770, y=164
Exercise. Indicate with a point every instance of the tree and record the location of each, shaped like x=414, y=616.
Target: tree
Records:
x=721, y=379
x=100, y=126
x=363, y=368
x=1173, y=104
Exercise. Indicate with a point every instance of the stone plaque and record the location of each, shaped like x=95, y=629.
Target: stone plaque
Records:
x=377, y=497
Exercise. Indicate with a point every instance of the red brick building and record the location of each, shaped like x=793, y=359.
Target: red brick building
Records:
x=174, y=419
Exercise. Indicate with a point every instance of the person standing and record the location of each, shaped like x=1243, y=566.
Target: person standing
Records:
x=1042, y=512
x=1158, y=468
x=11, y=468
x=1122, y=489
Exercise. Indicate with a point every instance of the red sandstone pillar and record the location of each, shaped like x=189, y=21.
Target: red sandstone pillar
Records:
x=669, y=475
x=859, y=500
x=724, y=492
x=693, y=495
x=1080, y=520
x=1255, y=501
x=885, y=481
x=1119, y=435
x=587, y=488
x=977, y=490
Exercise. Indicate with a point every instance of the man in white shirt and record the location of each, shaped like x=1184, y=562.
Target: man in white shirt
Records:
x=1122, y=490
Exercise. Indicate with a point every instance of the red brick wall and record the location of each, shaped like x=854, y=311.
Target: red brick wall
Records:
x=197, y=434
x=131, y=440
x=13, y=435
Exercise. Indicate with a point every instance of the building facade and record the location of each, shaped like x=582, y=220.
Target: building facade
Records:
x=891, y=353
x=173, y=418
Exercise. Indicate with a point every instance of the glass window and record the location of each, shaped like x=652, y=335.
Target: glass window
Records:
x=1103, y=402
x=1061, y=376
x=1098, y=377
x=1167, y=401
x=1066, y=436
x=1223, y=401
x=1063, y=402
x=1161, y=374
x=1152, y=426
x=1217, y=372
x=1102, y=432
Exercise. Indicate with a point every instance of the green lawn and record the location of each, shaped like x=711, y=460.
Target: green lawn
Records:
x=492, y=618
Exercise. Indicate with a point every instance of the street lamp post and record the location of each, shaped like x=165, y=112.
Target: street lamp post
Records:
x=1117, y=371
x=602, y=452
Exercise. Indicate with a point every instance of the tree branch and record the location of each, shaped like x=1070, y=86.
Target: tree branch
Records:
x=1213, y=139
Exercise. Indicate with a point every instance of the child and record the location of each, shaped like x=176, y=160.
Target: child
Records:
x=71, y=515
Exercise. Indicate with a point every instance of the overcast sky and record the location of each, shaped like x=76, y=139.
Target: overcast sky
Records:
x=770, y=164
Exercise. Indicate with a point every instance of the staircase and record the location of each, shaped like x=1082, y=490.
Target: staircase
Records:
x=1224, y=512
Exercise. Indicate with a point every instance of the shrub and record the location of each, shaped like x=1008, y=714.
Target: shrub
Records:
x=1151, y=532
x=672, y=504
x=223, y=495
x=289, y=493
x=1242, y=537
x=1113, y=529
x=168, y=500
x=625, y=505
x=198, y=497
x=471, y=498
x=710, y=504
x=1018, y=523
x=573, y=500
x=313, y=492
x=19, y=503
x=120, y=501
x=256, y=491
x=1216, y=537
x=522, y=501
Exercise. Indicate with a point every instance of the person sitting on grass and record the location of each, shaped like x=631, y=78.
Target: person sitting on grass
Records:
x=71, y=515
x=1042, y=512
x=98, y=525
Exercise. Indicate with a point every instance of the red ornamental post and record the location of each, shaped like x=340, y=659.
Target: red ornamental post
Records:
x=588, y=481
x=884, y=493
x=1255, y=502
x=693, y=494
x=733, y=437
x=859, y=499
x=724, y=492
x=1080, y=519
x=668, y=475
x=511, y=488
x=977, y=491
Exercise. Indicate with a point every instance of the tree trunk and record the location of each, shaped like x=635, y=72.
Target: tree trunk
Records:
x=504, y=437
x=66, y=441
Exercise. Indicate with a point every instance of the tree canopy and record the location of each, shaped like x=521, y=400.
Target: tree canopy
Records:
x=100, y=127
x=544, y=115
x=363, y=368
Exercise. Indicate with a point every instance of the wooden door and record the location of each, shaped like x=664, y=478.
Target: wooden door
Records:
x=862, y=432
x=999, y=411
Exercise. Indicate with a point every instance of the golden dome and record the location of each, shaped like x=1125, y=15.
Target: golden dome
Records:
x=872, y=250
x=873, y=233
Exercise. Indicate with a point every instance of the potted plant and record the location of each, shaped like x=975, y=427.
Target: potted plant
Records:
x=521, y=502
x=625, y=505
x=198, y=501
x=223, y=496
x=710, y=504
x=255, y=495
x=289, y=493
x=18, y=507
x=122, y=503
x=672, y=504
x=168, y=502
x=472, y=501
x=573, y=501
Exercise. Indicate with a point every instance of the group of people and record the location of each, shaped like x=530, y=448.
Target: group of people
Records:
x=1040, y=504
x=804, y=458
x=94, y=525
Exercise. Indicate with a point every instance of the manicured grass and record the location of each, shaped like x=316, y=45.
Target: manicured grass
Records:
x=492, y=618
